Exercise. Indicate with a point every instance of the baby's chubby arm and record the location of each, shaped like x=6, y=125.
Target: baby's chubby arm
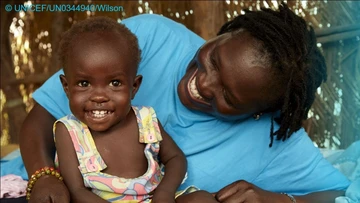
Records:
x=68, y=164
x=175, y=168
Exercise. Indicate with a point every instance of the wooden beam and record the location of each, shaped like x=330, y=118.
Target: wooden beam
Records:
x=38, y=78
x=335, y=30
x=338, y=36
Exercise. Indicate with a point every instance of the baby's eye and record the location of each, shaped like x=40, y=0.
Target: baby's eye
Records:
x=84, y=83
x=115, y=83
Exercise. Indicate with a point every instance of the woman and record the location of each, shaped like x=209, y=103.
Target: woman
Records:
x=223, y=102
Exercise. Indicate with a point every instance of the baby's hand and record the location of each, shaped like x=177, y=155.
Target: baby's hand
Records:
x=163, y=197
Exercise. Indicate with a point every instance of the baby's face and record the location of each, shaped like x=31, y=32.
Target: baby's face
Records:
x=100, y=79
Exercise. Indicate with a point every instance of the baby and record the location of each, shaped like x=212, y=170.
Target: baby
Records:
x=106, y=144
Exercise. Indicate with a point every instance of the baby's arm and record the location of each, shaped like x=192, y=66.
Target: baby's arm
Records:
x=68, y=164
x=175, y=168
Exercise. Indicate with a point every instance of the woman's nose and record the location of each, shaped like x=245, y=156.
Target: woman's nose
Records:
x=207, y=77
x=207, y=83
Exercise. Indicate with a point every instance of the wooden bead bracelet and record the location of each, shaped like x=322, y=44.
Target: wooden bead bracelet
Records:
x=38, y=174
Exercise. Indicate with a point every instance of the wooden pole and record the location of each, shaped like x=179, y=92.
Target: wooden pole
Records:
x=209, y=17
x=16, y=113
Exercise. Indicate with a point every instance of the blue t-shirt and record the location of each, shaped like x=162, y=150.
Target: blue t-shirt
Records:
x=218, y=152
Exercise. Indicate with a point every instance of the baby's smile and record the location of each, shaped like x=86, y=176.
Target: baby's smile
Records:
x=100, y=113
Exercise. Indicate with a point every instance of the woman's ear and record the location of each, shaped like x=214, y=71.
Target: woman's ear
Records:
x=136, y=85
x=64, y=84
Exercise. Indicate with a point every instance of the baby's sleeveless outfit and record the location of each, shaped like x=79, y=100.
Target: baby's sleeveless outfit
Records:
x=113, y=188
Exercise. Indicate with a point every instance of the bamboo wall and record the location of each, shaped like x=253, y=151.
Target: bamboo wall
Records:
x=29, y=41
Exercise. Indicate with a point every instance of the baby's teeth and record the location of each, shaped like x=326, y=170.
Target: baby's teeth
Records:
x=99, y=114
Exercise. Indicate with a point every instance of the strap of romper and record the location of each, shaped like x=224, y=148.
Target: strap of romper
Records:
x=84, y=145
x=149, y=131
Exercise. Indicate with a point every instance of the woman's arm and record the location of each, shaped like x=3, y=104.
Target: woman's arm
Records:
x=321, y=197
x=36, y=140
x=68, y=164
x=242, y=191
x=175, y=168
x=37, y=150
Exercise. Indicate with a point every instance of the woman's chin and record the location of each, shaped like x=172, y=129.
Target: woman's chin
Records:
x=230, y=118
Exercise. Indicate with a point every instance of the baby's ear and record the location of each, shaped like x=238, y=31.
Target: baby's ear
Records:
x=136, y=85
x=64, y=84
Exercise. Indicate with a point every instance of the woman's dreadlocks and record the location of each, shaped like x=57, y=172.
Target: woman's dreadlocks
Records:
x=292, y=48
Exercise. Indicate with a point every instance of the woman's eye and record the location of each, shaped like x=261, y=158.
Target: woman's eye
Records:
x=226, y=97
x=115, y=83
x=213, y=62
x=83, y=84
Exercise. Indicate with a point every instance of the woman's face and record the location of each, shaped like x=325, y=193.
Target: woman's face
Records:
x=229, y=76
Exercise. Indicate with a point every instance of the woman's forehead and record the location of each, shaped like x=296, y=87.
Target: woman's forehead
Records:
x=244, y=69
x=241, y=54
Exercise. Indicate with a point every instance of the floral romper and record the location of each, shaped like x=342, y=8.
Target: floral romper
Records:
x=109, y=187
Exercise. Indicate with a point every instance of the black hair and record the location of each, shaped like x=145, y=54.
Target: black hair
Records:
x=292, y=49
x=98, y=24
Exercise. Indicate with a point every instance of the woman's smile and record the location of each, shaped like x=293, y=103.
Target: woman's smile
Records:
x=194, y=91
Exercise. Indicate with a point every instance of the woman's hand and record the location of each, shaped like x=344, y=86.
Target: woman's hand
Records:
x=163, y=197
x=49, y=189
x=242, y=191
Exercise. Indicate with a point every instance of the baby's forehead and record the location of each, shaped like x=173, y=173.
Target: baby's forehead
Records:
x=100, y=37
x=100, y=41
x=105, y=46
x=101, y=49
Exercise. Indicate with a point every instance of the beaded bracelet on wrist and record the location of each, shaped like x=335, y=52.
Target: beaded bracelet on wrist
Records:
x=38, y=174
